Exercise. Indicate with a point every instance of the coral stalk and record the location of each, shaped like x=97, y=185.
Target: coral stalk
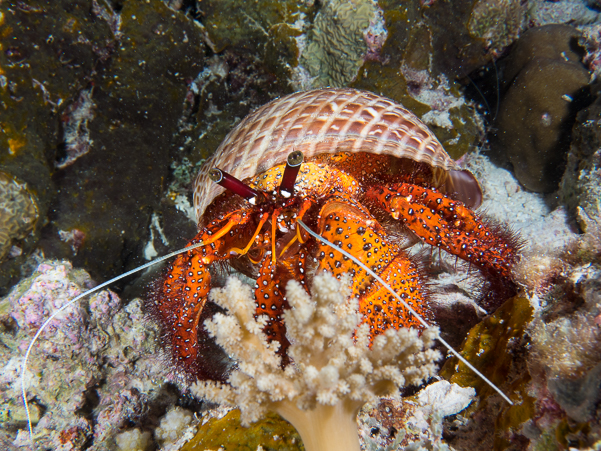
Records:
x=325, y=428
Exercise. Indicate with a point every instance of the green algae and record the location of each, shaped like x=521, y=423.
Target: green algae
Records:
x=272, y=433
x=336, y=44
x=418, y=51
x=493, y=347
x=573, y=435
x=282, y=50
x=546, y=442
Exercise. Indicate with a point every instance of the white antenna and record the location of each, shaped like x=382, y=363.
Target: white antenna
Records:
x=408, y=307
x=70, y=303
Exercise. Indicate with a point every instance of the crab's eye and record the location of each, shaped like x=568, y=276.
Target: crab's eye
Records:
x=293, y=164
x=231, y=183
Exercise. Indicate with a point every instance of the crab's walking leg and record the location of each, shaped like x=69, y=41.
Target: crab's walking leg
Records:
x=180, y=300
x=448, y=224
x=350, y=226
x=270, y=296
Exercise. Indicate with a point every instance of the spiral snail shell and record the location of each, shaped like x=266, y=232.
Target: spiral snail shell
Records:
x=331, y=120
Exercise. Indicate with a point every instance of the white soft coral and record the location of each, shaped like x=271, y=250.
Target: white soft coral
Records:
x=333, y=370
x=173, y=425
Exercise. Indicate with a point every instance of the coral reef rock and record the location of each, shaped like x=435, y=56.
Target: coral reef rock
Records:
x=542, y=347
x=497, y=22
x=575, y=12
x=18, y=212
x=394, y=423
x=93, y=369
x=545, y=84
x=581, y=183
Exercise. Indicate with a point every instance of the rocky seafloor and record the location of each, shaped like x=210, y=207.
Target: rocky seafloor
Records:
x=107, y=109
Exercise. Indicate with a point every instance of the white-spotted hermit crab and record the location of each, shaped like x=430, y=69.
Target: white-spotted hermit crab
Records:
x=359, y=170
x=310, y=169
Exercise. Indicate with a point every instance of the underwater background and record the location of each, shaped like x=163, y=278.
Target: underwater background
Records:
x=109, y=107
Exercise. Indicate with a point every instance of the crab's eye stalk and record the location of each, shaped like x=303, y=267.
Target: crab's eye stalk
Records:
x=293, y=164
x=231, y=183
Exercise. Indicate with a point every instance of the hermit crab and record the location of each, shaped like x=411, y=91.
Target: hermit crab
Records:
x=359, y=170
x=333, y=180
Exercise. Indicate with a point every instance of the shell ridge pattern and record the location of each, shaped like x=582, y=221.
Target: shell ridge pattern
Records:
x=357, y=112
x=278, y=125
x=270, y=154
x=303, y=124
x=308, y=129
x=392, y=127
x=252, y=145
x=235, y=135
x=290, y=120
x=404, y=143
x=358, y=144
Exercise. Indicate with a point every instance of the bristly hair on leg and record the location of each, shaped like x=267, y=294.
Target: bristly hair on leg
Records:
x=499, y=289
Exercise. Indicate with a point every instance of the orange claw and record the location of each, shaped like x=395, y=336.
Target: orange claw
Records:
x=383, y=311
x=270, y=299
x=350, y=226
x=181, y=300
x=449, y=224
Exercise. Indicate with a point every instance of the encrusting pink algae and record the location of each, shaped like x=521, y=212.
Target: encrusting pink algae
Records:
x=98, y=346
